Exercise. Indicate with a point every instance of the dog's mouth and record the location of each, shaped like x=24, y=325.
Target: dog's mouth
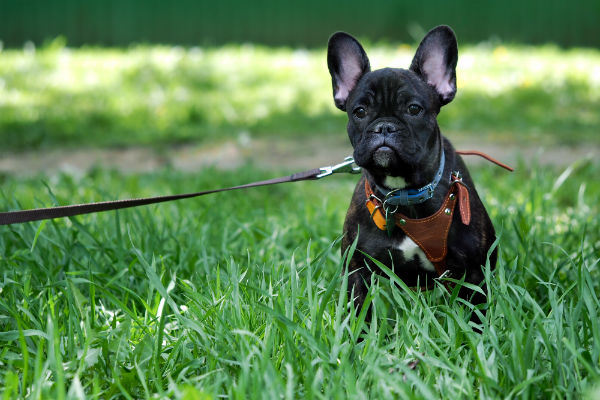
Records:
x=383, y=157
x=388, y=167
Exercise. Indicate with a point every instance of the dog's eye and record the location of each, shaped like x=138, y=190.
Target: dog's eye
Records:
x=360, y=112
x=414, y=109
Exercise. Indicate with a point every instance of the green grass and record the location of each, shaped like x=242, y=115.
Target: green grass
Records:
x=242, y=295
x=56, y=96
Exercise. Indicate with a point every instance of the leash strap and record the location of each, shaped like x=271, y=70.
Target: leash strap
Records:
x=486, y=156
x=17, y=217
x=38, y=214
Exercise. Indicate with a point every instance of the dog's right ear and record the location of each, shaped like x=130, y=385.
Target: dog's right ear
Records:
x=347, y=62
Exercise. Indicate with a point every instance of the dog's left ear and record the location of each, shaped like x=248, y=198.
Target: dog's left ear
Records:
x=435, y=62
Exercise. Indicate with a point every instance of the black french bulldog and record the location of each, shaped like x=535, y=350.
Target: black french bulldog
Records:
x=393, y=128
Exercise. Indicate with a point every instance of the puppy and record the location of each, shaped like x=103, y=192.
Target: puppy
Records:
x=415, y=208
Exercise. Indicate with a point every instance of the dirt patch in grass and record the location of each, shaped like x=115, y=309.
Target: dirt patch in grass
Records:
x=287, y=154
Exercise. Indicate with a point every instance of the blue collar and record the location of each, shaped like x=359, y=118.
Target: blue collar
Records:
x=408, y=197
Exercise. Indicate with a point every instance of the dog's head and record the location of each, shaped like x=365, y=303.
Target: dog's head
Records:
x=392, y=112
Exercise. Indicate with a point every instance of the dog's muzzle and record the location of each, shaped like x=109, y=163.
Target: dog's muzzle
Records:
x=383, y=156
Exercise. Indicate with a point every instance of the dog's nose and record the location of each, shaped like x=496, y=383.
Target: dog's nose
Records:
x=385, y=127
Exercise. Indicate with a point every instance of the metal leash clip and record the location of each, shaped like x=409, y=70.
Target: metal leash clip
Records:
x=348, y=166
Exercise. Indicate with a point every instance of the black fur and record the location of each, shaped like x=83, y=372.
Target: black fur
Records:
x=389, y=141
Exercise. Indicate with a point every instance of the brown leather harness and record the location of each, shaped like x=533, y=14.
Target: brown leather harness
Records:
x=431, y=233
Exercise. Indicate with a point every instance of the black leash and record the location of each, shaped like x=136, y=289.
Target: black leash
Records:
x=21, y=216
x=38, y=214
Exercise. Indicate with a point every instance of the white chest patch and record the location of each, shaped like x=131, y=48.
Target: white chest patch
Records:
x=394, y=182
x=409, y=248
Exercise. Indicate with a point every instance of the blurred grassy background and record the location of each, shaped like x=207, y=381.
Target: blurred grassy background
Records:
x=202, y=72
x=154, y=95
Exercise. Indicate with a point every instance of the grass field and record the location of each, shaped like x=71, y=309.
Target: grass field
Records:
x=60, y=97
x=242, y=295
